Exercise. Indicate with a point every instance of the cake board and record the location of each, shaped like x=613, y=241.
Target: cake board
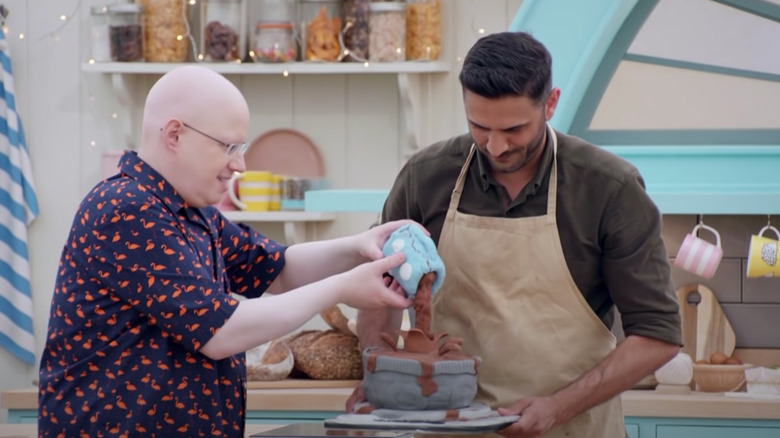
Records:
x=476, y=418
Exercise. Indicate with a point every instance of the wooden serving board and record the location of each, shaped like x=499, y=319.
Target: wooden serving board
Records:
x=301, y=384
x=705, y=328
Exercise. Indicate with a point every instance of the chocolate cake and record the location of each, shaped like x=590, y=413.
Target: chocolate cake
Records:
x=428, y=372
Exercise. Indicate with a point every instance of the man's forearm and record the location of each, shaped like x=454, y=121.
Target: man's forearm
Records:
x=632, y=360
x=312, y=261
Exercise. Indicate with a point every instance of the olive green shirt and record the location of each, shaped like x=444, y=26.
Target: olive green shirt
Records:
x=609, y=228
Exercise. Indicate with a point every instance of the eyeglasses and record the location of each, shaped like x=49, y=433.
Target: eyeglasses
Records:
x=231, y=149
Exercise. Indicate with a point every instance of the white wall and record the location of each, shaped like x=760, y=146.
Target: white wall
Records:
x=356, y=120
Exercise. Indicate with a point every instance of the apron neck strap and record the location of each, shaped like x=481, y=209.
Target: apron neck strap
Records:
x=552, y=187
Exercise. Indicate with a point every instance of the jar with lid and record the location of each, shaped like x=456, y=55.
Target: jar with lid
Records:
x=388, y=31
x=273, y=42
x=423, y=30
x=221, y=30
x=356, y=31
x=166, y=38
x=98, y=35
x=321, y=30
x=126, y=33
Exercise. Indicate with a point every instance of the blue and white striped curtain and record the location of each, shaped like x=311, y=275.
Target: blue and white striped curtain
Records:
x=18, y=208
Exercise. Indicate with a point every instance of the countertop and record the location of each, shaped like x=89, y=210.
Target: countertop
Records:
x=636, y=403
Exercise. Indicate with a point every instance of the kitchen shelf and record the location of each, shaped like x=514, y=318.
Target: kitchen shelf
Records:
x=295, y=222
x=279, y=68
x=278, y=216
x=412, y=78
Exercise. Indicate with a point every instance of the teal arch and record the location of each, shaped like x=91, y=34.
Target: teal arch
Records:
x=687, y=172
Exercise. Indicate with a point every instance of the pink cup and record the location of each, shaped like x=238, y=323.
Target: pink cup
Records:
x=698, y=256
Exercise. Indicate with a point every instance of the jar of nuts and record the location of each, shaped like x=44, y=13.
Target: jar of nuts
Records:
x=423, y=30
x=165, y=30
x=388, y=31
x=220, y=27
x=273, y=42
x=356, y=29
x=125, y=31
x=321, y=30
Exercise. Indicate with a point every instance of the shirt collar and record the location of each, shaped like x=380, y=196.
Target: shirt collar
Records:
x=545, y=164
x=137, y=169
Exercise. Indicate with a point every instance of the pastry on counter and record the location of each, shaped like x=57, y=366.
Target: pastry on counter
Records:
x=270, y=361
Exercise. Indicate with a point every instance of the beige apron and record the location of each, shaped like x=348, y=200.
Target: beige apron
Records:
x=509, y=294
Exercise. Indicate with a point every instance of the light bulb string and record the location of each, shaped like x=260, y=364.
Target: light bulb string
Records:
x=185, y=17
x=68, y=19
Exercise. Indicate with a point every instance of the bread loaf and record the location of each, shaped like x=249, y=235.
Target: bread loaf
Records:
x=326, y=355
x=336, y=319
x=270, y=361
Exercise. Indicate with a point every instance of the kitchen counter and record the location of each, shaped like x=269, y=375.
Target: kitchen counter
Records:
x=636, y=403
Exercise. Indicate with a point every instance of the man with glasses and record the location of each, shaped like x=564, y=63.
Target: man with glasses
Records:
x=143, y=329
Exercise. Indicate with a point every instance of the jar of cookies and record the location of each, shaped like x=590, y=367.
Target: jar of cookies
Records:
x=320, y=30
x=220, y=28
x=273, y=42
x=165, y=30
x=356, y=40
x=388, y=31
x=423, y=30
x=125, y=30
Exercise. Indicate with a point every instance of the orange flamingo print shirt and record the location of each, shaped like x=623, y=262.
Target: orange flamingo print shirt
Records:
x=143, y=282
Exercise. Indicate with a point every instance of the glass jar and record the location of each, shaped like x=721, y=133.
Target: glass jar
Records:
x=278, y=11
x=273, y=42
x=126, y=33
x=100, y=47
x=388, y=32
x=356, y=31
x=221, y=27
x=166, y=38
x=321, y=30
x=423, y=30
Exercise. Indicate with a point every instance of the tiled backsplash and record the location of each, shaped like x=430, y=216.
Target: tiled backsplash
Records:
x=752, y=305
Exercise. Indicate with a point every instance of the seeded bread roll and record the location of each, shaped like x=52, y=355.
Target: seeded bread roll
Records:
x=326, y=355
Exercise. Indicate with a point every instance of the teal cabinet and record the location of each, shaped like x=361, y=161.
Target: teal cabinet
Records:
x=715, y=432
x=288, y=417
x=663, y=427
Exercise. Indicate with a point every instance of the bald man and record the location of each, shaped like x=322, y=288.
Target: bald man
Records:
x=144, y=336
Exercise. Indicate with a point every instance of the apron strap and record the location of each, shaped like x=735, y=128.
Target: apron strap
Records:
x=458, y=190
x=552, y=188
x=551, y=192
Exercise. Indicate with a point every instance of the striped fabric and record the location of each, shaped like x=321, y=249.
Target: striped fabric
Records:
x=18, y=208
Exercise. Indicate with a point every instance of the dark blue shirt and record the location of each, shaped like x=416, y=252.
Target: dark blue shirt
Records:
x=143, y=283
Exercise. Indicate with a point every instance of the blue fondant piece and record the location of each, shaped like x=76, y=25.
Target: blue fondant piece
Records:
x=421, y=258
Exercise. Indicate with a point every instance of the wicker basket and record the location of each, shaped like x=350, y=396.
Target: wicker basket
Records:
x=720, y=378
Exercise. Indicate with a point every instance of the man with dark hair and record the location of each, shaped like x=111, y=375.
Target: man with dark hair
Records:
x=542, y=235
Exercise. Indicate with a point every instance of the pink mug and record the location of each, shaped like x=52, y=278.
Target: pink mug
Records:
x=698, y=256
